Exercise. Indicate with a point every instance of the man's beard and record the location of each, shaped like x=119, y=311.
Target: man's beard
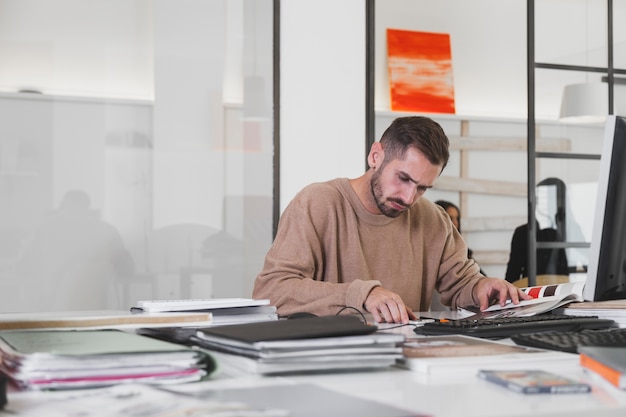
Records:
x=377, y=193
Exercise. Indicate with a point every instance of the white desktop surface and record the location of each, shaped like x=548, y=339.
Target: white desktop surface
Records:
x=443, y=395
x=470, y=396
x=440, y=395
x=446, y=395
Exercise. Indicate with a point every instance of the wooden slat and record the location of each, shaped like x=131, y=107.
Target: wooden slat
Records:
x=474, y=143
x=486, y=224
x=464, y=167
x=504, y=188
x=491, y=257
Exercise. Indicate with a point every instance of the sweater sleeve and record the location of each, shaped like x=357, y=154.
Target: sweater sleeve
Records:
x=297, y=274
x=458, y=274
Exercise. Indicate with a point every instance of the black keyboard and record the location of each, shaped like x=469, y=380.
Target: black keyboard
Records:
x=503, y=327
x=568, y=341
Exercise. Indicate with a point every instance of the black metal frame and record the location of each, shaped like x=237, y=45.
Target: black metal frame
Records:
x=276, y=116
x=533, y=245
x=370, y=54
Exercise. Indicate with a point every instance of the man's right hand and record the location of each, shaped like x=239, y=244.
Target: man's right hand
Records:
x=387, y=307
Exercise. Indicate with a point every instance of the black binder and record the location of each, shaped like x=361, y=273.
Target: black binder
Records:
x=304, y=328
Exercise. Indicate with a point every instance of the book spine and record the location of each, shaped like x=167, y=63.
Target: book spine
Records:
x=608, y=373
x=552, y=389
x=569, y=389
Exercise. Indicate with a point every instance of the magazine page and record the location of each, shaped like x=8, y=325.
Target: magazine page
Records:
x=545, y=298
x=551, y=290
x=528, y=307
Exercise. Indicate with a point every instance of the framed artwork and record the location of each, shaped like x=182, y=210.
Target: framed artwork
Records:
x=420, y=71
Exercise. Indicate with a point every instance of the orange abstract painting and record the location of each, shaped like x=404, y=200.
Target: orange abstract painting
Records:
x=420, y=71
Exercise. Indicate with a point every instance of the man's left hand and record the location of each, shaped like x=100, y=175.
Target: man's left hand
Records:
x=495, y=290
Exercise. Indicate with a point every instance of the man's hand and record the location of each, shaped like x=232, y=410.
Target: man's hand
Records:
x=387, y=307
x=495, y=290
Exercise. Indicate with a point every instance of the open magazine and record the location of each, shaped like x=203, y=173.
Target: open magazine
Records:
x=545, y=298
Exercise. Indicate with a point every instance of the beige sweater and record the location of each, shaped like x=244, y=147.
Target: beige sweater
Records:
x=330, y=252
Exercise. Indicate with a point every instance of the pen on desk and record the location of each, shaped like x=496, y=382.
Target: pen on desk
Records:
x=420, y=322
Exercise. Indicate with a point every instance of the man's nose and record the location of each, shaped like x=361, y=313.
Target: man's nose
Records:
x=409, y=195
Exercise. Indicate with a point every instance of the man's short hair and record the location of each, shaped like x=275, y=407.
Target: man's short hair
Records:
x=421, y=133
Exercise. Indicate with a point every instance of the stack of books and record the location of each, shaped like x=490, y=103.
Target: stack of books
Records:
x=296, y=345
x=465, y=355
x=62, y=359
x=222, y=310
x=607, y=362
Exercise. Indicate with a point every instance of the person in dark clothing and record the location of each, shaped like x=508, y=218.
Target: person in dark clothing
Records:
x=455, y=215
x=549, y=261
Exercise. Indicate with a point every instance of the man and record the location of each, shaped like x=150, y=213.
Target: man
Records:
x=371, y=243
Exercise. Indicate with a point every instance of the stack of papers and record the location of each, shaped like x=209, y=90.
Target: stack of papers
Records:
x=611, y=309
x=48, y=359
x=223, y=310
x=297, y=345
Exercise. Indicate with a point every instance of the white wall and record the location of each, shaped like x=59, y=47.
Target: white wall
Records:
x=39, y=49
x=488, y=41
x=322, y=92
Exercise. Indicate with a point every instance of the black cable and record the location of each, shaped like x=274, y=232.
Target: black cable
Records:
x=342, y=309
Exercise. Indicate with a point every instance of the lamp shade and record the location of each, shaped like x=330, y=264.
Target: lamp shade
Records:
x=585, y=102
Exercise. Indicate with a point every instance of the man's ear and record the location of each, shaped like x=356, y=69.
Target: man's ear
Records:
x=376, y=155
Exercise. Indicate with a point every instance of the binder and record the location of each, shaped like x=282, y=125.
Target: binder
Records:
x=58, y=359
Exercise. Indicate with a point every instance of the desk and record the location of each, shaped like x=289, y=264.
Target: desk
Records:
x=431, y=395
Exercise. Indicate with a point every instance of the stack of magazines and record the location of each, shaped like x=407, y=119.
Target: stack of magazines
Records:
x=222, y=310
x=89, y=358
x=295, y=345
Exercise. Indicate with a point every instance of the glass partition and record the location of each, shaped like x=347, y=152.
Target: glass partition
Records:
x=135, y=151
x=488, y=174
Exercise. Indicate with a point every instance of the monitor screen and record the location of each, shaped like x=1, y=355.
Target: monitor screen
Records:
x=606, y=275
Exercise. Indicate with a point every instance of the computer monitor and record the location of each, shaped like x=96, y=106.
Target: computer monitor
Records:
x=606, y=274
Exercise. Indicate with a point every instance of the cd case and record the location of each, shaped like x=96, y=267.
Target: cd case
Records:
x=534, y=382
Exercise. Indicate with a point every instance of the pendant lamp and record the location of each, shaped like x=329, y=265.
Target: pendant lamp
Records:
x=585, y=102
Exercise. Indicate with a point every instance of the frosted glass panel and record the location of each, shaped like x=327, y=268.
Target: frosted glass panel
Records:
x=130, y=172
x=572, y=32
